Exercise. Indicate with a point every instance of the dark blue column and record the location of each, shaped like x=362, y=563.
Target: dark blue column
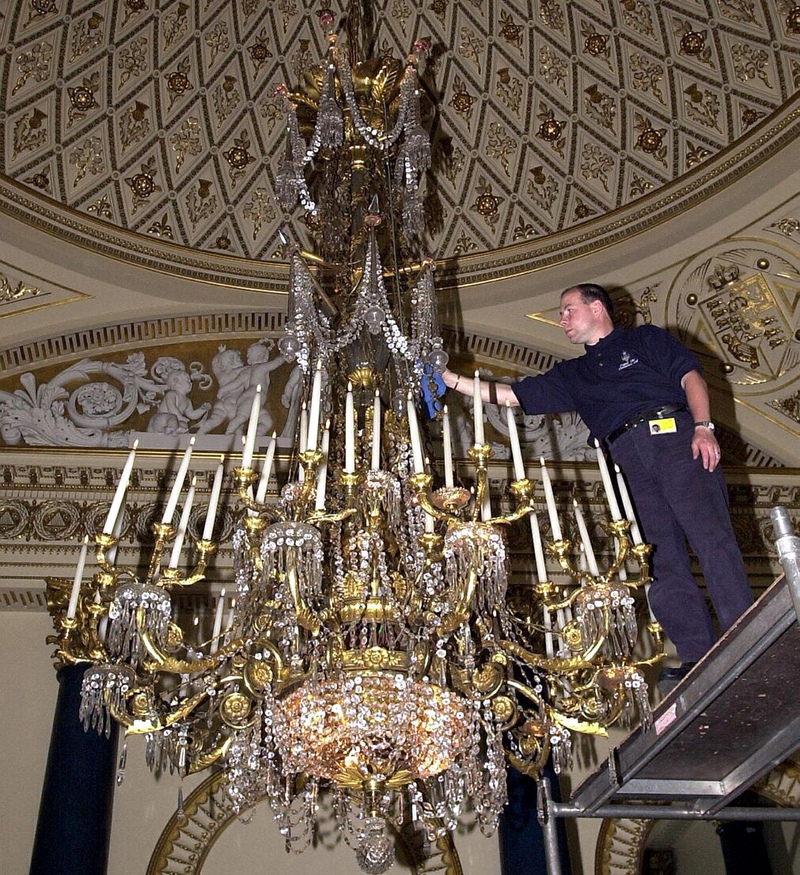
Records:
x=743, y=847
x=521, y=840
x=72, y=833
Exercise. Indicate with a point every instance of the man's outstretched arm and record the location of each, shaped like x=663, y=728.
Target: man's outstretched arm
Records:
x=491, y=392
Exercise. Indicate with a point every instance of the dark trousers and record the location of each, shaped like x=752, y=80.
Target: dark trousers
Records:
x=677, y=499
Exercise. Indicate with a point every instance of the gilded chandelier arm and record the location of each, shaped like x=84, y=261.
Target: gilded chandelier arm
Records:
x=462, y=609
x=139, y=724
x=554, y=664
x=522, y=491
x=339, y=516
x=172, y=576
x=555, y=716
x=420, y=484
x=204, y=760
x=480, y=455
x=657, y=634
x=518, y=514
x=164, y=532
x=306, y=618
x=573, y=724
x=163, y=663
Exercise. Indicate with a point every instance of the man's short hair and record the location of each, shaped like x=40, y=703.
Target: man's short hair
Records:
x=592, y=292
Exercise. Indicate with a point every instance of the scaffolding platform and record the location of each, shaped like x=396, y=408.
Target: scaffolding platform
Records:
x=729, y=722
x=734, y=717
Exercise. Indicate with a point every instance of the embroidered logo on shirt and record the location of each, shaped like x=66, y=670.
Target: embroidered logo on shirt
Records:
x=628, y=361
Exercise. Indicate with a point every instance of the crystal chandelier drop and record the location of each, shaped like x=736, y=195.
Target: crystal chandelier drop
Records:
x=375, y=651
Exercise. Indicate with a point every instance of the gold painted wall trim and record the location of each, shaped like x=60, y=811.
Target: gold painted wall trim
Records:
x=212, y=327
x=185, y=843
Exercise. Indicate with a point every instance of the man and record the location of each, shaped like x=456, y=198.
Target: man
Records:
x=641, y=393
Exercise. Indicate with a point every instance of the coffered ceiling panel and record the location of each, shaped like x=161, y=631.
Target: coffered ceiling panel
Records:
x=158, y=116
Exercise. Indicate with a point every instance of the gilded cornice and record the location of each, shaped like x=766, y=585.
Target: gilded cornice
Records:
x=769, y=138
x=112, y=242
x=212, y=328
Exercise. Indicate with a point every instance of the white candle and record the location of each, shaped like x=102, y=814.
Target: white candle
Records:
x=111, y=555
x=72, y=607
x=216, y=489
x=102, y=628
x=119, y=495
x=486, y=506
x=636, y=535
x=314, y=411
x=217, y=622
x=477, y=404
x=169, y=511
x=585, y=540
x=252, y=429
x=447, y=443
x=516, y=450
x=376, y=432
x=551, y=502
x=560, y=622
x=653, y=618
x=266, y=470
x=303, y=444
x=322, y=471
x=429, y=520
x=538, y=549
x=413, y=429
x=548, y=634
x=182, y=526
x=613, y=505
x=231, y=613
x=349, y=432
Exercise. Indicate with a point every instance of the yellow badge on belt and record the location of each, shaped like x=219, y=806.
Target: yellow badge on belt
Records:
x=662, y=426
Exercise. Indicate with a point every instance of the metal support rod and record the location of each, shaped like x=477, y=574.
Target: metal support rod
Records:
x=788, y=547
x=670, y=812
x=549, y=832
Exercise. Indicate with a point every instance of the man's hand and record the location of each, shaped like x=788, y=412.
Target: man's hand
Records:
x=705, y=445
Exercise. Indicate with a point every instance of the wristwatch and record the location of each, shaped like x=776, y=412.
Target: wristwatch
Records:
x=705, y=423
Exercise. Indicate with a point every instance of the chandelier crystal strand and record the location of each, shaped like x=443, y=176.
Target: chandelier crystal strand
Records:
x=371, y=656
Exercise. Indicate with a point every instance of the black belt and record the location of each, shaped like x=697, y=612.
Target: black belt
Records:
x=645, y=416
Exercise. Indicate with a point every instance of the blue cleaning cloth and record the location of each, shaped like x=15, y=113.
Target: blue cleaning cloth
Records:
x=433, y=388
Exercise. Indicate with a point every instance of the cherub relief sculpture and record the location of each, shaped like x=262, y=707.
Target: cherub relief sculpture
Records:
x=175, y=411
x=237, y=383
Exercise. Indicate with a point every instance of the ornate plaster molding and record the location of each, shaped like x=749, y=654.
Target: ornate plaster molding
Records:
x=185, y=842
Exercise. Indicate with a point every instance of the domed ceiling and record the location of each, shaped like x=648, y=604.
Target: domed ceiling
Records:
x=159, y=118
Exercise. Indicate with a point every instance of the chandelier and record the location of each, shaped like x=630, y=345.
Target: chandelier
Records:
x=376, y=651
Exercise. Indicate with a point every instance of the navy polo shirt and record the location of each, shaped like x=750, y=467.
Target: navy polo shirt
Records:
x=624, y=373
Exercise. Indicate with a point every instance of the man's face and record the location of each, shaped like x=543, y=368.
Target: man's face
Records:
x=580, y=320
